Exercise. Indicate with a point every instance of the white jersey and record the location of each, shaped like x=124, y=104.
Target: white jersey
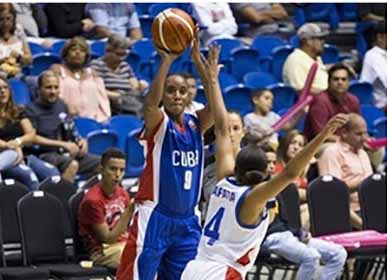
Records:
x=225, y=239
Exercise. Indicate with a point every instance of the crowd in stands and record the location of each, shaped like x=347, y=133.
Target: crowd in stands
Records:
x=96, y=61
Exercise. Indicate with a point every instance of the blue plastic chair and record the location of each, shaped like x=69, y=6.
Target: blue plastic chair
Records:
x=259, y=80
x=380, y=127
x=200, y=95
x=244, y=60
x=265, y=44
x=145, y=49
x=100, y=140
x=98, y=48
x=347, y=12
x=226, y=80
x=284, y=96
x=134, y=155
x=361, y=44
x=294, y=41
x=371, y=114
x=36, y=48
x=238, y=98
x=363, y=91
x=330, y=54
x=20, y=93
x=57, y=47
x=316, y=12
x=279, y=56
x=142, y=8
x=155, y=9
x=133, y=59
x=86, y=125
x=227, y=46
x=146, y=25
x=42, y=62
x=123, y=124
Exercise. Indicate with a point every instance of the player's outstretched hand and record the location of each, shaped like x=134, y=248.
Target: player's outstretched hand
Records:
x=195, y=50
x=211, y=63
x=334, y=123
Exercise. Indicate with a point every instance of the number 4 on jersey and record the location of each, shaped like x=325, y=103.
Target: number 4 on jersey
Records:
x=212, y=228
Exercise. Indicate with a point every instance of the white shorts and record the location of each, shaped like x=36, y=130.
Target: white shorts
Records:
x=209, y=270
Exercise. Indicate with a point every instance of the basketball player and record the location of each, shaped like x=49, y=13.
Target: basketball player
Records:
x=165, y=232
x=237, y=218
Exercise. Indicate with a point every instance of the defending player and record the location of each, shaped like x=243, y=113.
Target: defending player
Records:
x=165, y=232
x=237, y=219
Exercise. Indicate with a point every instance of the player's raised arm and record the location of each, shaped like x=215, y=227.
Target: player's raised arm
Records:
x=152, y=112
x=255, y=201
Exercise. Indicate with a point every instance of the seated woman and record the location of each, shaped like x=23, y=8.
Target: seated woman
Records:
x=119, y=77
x=288, y=148
x=14, y=49
x=16, y=131
x=81, y=88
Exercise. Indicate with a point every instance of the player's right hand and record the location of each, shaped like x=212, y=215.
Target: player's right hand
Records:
x=167, y=56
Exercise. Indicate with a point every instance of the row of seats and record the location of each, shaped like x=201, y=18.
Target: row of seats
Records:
x=41, y=236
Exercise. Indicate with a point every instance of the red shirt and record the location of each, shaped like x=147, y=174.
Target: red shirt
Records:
x=324, y=107
x=97, y=208
x=300, y=181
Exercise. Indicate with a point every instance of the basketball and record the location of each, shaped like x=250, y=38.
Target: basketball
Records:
x=173, y=30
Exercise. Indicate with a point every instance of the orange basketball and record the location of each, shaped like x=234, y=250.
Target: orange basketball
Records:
x=173, y=30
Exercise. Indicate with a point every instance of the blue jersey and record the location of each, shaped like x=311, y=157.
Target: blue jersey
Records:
x=174, y=164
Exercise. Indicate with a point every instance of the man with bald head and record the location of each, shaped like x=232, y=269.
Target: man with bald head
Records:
x=347, y=160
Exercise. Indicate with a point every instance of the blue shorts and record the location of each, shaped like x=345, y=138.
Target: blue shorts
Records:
x=158, y=244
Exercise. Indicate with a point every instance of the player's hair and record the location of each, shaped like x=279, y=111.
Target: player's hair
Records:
x=250, y=166
x=111, y=153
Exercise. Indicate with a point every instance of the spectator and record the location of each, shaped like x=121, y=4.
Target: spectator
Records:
x=371, y=14
x=193, y=105
x=32, y=18
x=347, y=161
x=14, y=49
x=216, y=19
x=375, y=66
x=298, y=63
x=336, y=99
x=105, y=212
x=119, y=77
x=264, y=18
x=16, y=131
x=120, y=18
x=297, y=245
x=81, y=88
x=262, y=119
x=66, y=20
x=59, y=147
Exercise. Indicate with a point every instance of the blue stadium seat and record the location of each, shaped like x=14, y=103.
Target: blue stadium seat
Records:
x=133, y=59
x=146, y=25
x=145, y=49
x=142, y=8
x=57, y=47
x=226, y=80
x=265, y=44
x=86, y=125
x=20, y=93
x=259, y=80
x=361, y=44
x=36, y=48
x=238, y=98
x=294, y=41
x=100, y=140
x=123, y=124
x=330, y=54
x=200, y=95
x=227, y=46
x=134, y=155
x=244, y=60
x=347, y=12
x=155, y=9
x=42, y=62
x=363, y=91
x=279, y=56
x=98, y=48
x=371, y=114
x=316, y=12
x=284, y=96
x=380, y=127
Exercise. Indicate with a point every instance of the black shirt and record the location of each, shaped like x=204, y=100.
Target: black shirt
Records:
x=12, y=129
